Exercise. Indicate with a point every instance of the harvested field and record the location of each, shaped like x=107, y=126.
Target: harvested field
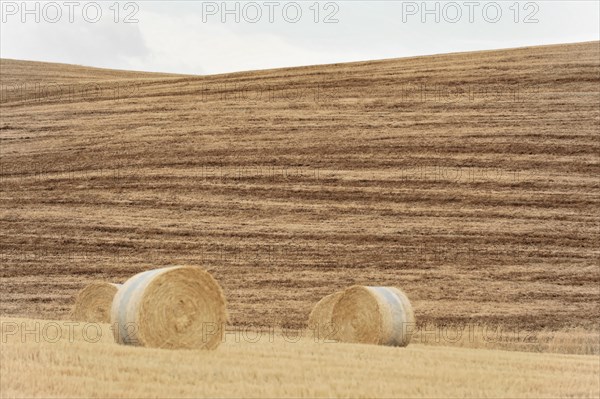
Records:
x=256, y=367
x=468, y=180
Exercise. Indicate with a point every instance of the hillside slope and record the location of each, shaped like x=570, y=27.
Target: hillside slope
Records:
x=469, y=180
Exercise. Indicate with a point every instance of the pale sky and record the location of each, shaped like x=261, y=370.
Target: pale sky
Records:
x=199, y=37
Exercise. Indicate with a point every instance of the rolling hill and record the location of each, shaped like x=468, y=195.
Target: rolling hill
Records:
x=469, y=180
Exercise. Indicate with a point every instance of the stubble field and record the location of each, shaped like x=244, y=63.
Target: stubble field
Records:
x=468, y=180
x=82, y=361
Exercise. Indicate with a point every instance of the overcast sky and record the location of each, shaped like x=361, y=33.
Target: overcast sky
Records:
x=197, y=37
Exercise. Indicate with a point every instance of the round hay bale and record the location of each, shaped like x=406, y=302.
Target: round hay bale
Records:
x=319, y=320
x=93, y=302
x=373, y=315
x=178, y=307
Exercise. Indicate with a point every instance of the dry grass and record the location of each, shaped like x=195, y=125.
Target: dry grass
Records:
x=575, y=340
x=481, y=203
x=283, y=369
